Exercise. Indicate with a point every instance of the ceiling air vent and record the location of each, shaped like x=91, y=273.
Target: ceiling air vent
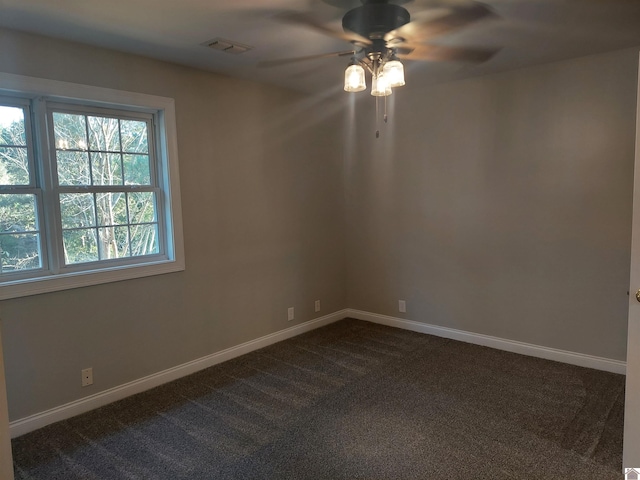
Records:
x=227, y=46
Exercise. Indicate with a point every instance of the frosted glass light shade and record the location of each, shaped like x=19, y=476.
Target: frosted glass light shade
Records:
x=354, y=79
x=380, y=86
x=394, y=71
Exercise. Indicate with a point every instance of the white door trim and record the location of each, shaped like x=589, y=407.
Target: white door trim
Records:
x=6, y=460
x=632, y=399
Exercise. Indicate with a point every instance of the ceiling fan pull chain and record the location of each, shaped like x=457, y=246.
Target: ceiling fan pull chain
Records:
x=377, y=119
x=385, y=109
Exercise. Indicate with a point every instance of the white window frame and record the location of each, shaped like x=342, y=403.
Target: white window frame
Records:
x=163, y=109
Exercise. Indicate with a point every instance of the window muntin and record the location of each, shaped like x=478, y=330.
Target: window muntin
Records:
x=106, y=184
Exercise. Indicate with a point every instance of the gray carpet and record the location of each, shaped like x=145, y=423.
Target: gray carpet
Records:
x=353, y=400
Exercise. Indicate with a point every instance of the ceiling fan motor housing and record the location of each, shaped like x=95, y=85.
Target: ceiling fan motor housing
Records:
x=374, y=19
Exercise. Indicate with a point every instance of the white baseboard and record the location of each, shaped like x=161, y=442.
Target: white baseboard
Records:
x=564, y=356
x=42, y=419
x=71, y=409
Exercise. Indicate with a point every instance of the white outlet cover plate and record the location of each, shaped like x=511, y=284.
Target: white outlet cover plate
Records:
x=402, y=306
x=87, y=377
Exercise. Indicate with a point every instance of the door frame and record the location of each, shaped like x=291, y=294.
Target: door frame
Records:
x=6, y=459
x=631, y=444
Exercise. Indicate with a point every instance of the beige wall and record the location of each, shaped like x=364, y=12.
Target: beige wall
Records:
x=261, y=183
x=502, y=205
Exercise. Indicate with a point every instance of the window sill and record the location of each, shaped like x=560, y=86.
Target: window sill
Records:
x=54, y=283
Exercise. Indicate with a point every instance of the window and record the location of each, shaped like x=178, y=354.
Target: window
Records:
x=88, y=186
x=20, y=200
x=105, y=187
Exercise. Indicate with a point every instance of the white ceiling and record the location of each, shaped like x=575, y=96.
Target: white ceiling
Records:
x=529, y=32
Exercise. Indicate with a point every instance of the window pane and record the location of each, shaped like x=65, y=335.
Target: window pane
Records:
x=77, y=210
x=104, y=134
x=80, y=246
x=19, y=252
x=114, y=242
x=17, y=213
x=144, y=239
x=142, y=207
x=106, y=169
x=136, y=170
x=12, y=126
x=14, y=166
x=70, y=131
x=112, y=208
x=134, y=136
x=73, y=168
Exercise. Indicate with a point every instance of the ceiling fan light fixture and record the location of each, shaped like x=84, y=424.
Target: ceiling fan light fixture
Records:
x=354, y=80
x=394, y=72
x=380, y=85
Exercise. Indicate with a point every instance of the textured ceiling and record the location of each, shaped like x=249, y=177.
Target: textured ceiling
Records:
x=528, y=31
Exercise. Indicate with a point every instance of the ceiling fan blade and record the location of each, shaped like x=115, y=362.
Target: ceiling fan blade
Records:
x=285, y=61
x=443, y=54
x=303, y=19
x=418, y=31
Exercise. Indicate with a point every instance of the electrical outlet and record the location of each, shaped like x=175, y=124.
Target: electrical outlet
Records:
x=402, y=306
x=87, y=377
x=317, y=305
x=290, y=315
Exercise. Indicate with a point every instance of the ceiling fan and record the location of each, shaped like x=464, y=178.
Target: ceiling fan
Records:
x=381, y=34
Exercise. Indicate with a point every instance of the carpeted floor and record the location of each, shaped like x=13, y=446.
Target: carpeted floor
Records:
x=353, y=400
